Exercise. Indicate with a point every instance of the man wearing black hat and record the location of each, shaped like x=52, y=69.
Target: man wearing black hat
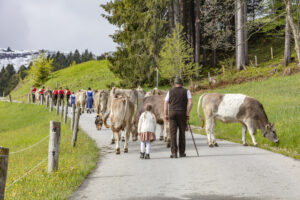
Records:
x=178, y=105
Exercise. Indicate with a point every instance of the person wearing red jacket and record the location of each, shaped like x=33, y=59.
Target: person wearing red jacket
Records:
x=55, y=95
x=33, y=91
x=42, y=91
x=61, y=94
x=68, y=94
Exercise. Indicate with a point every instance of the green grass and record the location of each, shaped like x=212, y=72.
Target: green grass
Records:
x=280, y=97
x=23, y=125
x=94, y=74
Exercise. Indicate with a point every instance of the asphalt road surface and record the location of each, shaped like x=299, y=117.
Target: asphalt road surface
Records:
x=228, y=172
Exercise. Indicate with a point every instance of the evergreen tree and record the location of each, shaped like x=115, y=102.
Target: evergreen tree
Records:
x=41, y=69
x=177, y=57
x=77, y=57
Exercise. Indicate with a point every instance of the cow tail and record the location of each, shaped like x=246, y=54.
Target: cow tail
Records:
x=106, y=115
x=198, y=109
x=126, y=104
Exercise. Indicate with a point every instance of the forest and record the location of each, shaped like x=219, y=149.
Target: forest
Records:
x=194, y=37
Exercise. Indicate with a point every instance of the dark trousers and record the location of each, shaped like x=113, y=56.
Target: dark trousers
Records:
x=33, y=98
x=177, y=120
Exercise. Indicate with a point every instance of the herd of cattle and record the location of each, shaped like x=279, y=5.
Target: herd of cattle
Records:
x=118, y=105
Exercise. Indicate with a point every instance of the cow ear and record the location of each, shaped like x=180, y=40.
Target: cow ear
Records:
x=268, y=126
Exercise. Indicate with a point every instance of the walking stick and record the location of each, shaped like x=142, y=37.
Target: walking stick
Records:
x=193, y=138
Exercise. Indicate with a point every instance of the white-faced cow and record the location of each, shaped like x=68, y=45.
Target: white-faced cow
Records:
x=80, y=98
x=101, y=101
x=121, y=113
x=230, y=108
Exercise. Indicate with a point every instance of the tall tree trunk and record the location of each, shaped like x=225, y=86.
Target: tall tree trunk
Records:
x=287, y=44
x=240, y=45
x=192, y=24
x=197, y=32
x=171, y=15
x=176, y=11
x=245, y=29
x=214, y=57
x=294, y=27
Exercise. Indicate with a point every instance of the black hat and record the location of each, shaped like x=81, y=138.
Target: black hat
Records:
x=178, y=80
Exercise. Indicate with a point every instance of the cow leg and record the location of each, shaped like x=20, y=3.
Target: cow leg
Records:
x=244, y=129
x=161, y=132
x=167, y=134
x=112, y=138
x=252, y=132
x=117, y=142
x=208, y=128
x=212, y=134
x=127, y=136
x=123, y=136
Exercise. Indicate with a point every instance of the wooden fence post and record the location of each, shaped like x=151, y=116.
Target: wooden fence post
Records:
x=51, y=105
x=62, y=109
x=9, y=98
x=75, y=131
x=66, y=114
x=57, y=107
x=272, y=53
x=29, y=99
x=54, y=141
x=3, y=170
x=47, y=101
x=73, y=117
x=255, y=57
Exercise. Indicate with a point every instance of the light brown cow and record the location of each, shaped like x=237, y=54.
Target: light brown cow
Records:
x=122, y=110
x=80, y=99
x=101, y=100
x=230, y=108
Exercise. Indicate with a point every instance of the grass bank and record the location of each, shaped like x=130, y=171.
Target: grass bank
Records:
x=280, y=97
x=94, y=74
x=22, y=125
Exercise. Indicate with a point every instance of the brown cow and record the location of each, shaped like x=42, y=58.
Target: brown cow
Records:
x=122, y=110
x=157, y=101
x=231, y=108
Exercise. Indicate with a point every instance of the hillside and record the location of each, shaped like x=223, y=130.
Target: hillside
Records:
x=30, y=132
x=94, y=74
x=280, y=97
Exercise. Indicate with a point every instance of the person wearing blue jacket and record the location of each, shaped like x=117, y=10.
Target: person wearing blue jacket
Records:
x=89, y=100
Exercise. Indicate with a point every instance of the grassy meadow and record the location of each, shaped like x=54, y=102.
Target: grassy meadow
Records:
x=22, y=125
x=280, y=97
x=94, y=74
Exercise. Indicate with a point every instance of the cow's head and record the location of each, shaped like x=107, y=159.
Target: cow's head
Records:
x=98, y=122
x=270, y=133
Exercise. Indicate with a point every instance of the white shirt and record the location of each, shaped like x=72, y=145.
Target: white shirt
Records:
x=189, y=96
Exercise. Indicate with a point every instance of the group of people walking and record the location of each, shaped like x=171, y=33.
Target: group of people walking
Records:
x=177, y=109
x=57, y=95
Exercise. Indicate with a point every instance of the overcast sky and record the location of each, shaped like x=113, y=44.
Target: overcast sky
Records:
x=63, y=25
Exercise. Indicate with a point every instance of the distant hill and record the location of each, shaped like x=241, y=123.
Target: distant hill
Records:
x=18, y=58
x=94, y=74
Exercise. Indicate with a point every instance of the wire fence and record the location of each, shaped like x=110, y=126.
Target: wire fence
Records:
x=26, y=173
x=27, y=148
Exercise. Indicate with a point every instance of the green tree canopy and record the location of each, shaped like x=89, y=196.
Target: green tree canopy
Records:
x=41, y=69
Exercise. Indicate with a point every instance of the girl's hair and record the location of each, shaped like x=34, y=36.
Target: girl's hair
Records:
x=148, y=107
x=89, y=88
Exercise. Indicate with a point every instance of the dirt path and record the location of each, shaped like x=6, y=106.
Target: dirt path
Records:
x=230, y=171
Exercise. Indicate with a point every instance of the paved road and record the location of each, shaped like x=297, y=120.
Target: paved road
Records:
x=230, y=171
